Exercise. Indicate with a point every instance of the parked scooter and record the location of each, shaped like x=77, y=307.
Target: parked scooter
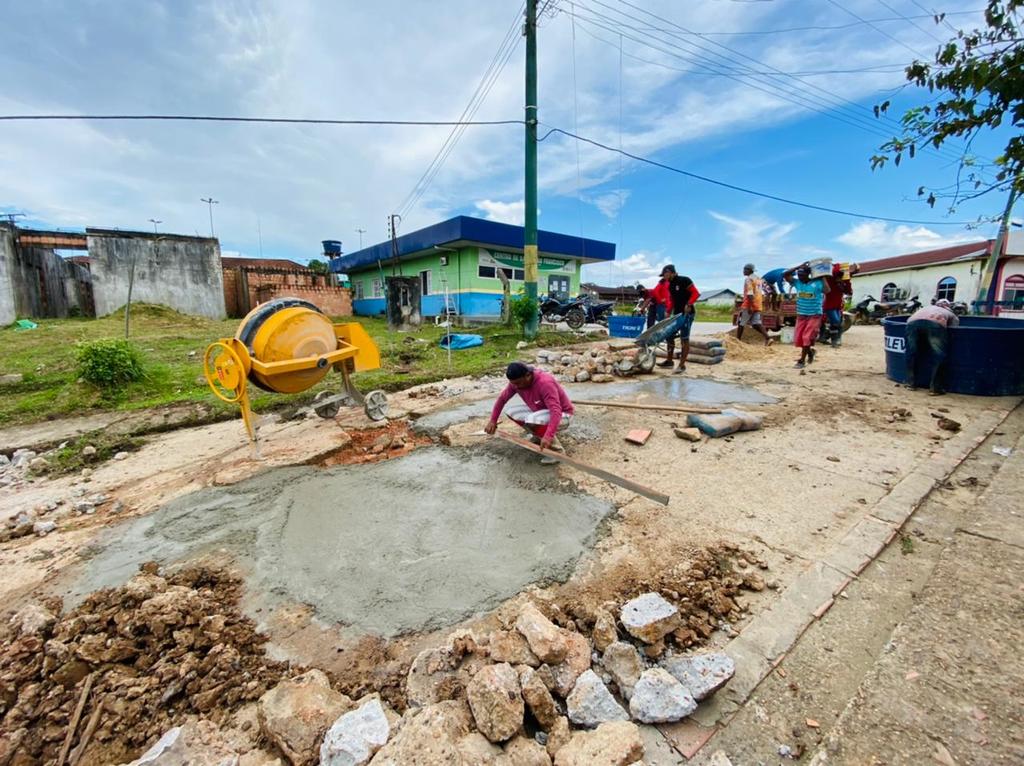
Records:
x=865, y=313
x=957, y=307
x=598, y=311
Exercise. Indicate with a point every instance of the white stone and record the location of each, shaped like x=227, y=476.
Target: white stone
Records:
x=649, y=617
x=623, y=663
x=701, y=674
x=590, y=703
x=120, y=456
x=659, y=698
x=43, y=528
x=354, y=738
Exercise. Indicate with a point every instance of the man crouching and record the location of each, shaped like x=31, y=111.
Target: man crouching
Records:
x=545, y=408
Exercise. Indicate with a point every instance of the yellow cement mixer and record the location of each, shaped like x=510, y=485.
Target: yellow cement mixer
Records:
x=287, y=346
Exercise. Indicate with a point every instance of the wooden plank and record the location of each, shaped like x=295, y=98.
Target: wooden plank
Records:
x=76, y=716
x=90, y=729
x=659, y=407
x=600, y=473
x=639, y=436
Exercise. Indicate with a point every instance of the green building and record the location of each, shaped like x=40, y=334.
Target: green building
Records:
x=461, y=257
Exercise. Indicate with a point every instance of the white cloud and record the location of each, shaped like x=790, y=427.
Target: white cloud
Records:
x=751, y=237
x=642, y=266
x=502, y=212
x=611, y=203
x=885, y=240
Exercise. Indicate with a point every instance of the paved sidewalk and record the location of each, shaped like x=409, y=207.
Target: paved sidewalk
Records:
x=948, y=690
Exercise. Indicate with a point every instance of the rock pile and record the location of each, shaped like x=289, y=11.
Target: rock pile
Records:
x=597, y=364
x=156, y=650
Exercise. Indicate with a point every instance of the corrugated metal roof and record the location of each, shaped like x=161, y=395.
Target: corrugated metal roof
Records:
x=262, y=263
x=968, y=251
x=474, y=231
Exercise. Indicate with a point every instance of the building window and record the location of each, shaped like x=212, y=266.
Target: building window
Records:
x=378, y=289
x=1013, y=292
x=357, y=287
x=486, y=272
x=425, y=283
x=890, y=292
x=946, y=289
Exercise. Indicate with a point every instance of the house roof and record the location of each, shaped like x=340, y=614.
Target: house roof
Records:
x=280, y=264
x=465, y=230
x=715, y=294
x=966, y=252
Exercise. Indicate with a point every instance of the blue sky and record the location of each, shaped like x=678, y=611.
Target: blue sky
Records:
x=785, y=135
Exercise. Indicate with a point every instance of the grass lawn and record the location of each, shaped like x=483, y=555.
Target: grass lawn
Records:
x=707, y=313
x=50, y=389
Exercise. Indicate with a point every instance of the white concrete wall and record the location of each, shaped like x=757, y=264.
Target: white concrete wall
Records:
x=922, y=281
x=183, y=273
x=7, y=310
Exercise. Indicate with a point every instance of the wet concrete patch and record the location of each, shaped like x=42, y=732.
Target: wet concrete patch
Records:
x=405, y=545
x=676, y=388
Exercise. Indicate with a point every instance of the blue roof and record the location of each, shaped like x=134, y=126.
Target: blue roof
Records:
x=464, y=230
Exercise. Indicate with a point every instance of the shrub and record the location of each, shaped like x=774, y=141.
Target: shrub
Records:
x=523, y=309
x=109, y=363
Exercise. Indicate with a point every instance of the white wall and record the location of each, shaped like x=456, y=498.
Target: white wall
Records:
x=922, y=281
x=7, y=310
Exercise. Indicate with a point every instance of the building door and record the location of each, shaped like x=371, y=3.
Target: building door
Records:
x=425, y=283
x=558, y=284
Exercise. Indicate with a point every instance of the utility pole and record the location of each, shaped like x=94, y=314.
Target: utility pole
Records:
x=986, y=290
x=393, y=220
x=361, y=233
x=210, y=202
x=259, y=234
x=530, y=193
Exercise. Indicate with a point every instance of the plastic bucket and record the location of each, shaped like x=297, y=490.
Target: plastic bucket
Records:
x=820, y=267
x=625, y=327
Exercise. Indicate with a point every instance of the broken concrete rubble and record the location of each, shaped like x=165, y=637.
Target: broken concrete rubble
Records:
x=649, y=617
x=622, y=662
x=577, y=660
x=659, y=698
x=428, y=736
x=496, y=702
x=538, y=699
x=590, y=703
x=545, y=638
x=702, y=674
x=526, y=752
x=296, y=713
x=510, y=646
x=354, y=738
x=605, y=633
x=617, y=743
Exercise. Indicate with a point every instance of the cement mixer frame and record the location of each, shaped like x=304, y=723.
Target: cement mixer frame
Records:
x=287, y=346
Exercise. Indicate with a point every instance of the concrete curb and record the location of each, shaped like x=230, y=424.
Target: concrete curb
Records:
x=764, y=642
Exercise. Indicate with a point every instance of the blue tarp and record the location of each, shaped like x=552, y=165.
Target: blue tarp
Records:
x=458, y=341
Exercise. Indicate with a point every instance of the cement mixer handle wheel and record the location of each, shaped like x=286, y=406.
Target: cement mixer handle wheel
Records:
x=220, y=375
x=376, y=405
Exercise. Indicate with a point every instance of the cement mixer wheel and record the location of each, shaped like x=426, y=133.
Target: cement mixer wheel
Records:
x=329, y=409
x=376, y=405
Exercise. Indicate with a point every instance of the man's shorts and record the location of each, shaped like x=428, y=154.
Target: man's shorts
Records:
x=807, y=329
x=682, y=326
x=834, y=317
x=749, y=317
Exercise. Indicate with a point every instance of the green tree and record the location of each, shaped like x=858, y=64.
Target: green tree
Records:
x=318, y=267
x=979, y=80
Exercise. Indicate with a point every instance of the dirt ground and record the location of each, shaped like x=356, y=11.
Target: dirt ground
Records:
x=747, y=511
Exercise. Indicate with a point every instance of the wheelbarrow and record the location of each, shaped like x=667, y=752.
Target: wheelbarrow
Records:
x=653, y=337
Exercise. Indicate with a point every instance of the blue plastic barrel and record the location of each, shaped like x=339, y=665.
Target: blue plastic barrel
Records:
x=625, y=327
x=985, y=357
x=332, y=246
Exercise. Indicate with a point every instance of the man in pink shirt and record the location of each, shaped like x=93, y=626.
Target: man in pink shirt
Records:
x=545, y=408
x=927, y=329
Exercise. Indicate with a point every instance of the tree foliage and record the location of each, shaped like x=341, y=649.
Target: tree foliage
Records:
x=318, y=267
x=978, y=77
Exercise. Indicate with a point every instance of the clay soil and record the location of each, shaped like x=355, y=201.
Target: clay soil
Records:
x=746, y=513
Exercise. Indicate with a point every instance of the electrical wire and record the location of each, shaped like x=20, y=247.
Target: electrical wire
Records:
x=745, y=190
x=878, y=29
x=833, y=27
x=272, y=120
x=501, y=56
x=911, y=21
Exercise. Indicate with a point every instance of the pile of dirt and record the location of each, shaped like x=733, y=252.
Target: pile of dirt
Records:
x=153, y=651
x=751, y=348
x=368, y=445
x=702, y=585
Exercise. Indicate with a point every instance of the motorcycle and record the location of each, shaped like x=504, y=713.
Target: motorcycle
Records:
x=598, y=311
x=865, y=313
x=957, y=307
x=572, y=311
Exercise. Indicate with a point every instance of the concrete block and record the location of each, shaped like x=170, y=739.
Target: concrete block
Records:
x=859, y=546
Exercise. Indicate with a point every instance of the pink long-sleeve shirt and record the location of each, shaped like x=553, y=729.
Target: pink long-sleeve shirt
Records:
x=544, y=393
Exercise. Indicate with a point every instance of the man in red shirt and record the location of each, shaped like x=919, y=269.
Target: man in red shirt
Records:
x=839, y=287
x=682, y=294
x=544, y=410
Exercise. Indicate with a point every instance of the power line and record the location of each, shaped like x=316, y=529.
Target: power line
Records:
x=208, y=118
x=878, y=29
x=943, y=15
x=844, y=111
x=911, y=21
x=743, y=189
x=833, y=27
x=508, y=44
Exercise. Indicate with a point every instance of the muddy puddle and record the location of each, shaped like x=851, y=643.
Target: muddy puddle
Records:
x=409, y=544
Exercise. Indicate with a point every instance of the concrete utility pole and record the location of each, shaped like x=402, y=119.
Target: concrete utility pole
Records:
x=530, y=193
x=361, y=233
x=210, y=202
x=985, y=303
